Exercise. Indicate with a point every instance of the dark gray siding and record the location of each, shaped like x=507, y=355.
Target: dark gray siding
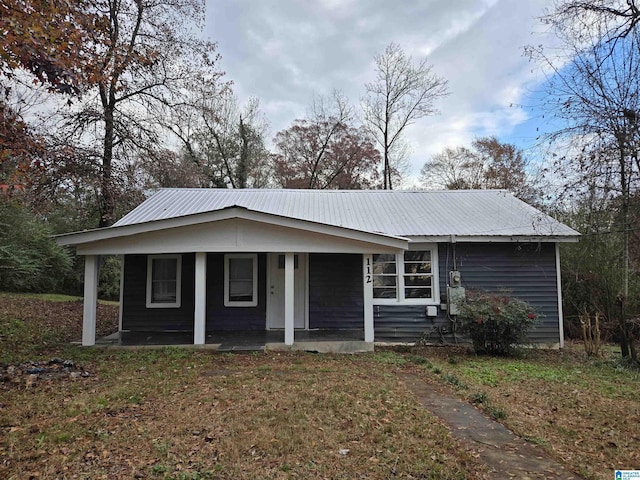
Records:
x=335, y=291
x=220, y=317
x=399, y=323
x=527, y=271
x=135, y=314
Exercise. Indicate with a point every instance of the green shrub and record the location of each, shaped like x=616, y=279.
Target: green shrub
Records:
x=109, y=287
x=497, y=323
x=30, y=260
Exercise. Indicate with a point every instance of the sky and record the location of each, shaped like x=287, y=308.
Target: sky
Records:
x=286, y=51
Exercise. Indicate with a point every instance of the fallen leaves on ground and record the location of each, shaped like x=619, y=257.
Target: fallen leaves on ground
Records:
x=582, y=411
x=174, y=414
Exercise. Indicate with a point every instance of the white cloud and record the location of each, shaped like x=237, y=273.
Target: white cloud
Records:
x=285, y=51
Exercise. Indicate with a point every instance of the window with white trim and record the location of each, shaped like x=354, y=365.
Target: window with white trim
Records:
x=164, y=274
x=385, y=276
x=406, y=277
x=240, y=280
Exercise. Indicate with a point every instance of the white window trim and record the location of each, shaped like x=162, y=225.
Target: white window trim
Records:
x=435, y=287
x=230, y=303
x=175, y=304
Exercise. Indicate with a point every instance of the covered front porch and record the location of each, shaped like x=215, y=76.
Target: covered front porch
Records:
x=205, y=297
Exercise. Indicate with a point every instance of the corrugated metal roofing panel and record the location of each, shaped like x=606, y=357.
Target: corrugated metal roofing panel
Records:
x=402, y=213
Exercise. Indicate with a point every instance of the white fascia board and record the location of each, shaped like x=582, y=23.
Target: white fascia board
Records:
x=82, y=239
x=493, y=238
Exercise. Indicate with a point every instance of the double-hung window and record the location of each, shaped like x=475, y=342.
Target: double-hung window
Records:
x=418, y=275
x=385, y=276
x=164, y=281
x=240, y=280
x=405, y=277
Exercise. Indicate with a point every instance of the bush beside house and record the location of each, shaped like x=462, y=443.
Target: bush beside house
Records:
x=497, y=323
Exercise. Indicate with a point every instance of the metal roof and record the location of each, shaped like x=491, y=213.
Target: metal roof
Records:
x=465, y=213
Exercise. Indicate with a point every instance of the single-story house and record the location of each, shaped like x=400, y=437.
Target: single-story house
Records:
x=389, y=264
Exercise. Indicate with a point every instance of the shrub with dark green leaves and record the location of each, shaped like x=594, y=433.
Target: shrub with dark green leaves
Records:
x=496, y=322
x=30, y=261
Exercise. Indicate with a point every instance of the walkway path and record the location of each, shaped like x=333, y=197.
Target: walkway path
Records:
x=507, y=454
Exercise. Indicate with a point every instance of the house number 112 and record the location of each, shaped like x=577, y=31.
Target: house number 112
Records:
x=368, y=275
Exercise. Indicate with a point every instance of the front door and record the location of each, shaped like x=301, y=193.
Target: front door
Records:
x=275, y=302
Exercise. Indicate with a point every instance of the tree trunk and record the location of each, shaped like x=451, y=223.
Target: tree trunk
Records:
x=243, y=165
x=107, y=200
x=387, y=169
x=626, y=337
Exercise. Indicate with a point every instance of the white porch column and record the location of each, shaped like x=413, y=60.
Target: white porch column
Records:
x=121, y=305
x=367, y=265
x=288, y=298
x=199, y=312
x=91, y=263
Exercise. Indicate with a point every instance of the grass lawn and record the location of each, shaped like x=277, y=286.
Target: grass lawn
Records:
x=186, y=414
x=584, y=412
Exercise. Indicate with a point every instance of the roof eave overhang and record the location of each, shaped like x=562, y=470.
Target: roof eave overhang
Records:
x=493, y=238
x=78, y=239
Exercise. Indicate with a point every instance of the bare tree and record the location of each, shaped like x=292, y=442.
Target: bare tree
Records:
x=594, y=89
x=621, y=16
x=149, y=53
x=223, y=138
x=402, y=93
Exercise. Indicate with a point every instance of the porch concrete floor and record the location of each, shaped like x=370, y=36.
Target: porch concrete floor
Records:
x=238, y=341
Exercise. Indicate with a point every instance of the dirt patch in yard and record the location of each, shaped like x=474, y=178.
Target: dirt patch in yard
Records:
x=28, y=373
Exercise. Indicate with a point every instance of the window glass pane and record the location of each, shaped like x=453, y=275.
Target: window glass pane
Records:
x=379, y=281
x=417, y=292
x=417, y=256
x=384, y=257
x=417, y=281
x=164, y=280
x=384, y=292
x=164, y=268
x=240, y=268
x=384, y=268
x=423, y=267
x=240, y=279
